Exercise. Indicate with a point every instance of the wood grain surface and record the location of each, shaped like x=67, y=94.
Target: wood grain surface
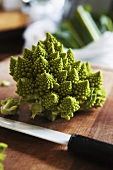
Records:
x=29, y=153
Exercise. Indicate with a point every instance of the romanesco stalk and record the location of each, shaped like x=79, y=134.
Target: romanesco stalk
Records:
x=9, y=106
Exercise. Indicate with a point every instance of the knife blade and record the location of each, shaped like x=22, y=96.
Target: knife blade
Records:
x=76, y=144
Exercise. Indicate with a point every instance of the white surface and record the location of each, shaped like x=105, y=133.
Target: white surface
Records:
x=99, y=52
x=12, y=4
x=37, y=31
x=46, y=9
x=36, y=131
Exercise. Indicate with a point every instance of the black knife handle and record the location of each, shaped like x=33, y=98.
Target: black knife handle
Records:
x=91, y=148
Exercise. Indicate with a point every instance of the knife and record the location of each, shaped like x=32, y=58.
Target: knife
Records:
x=76, y=144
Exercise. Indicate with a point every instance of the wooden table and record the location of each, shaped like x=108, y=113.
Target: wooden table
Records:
x=29, y=153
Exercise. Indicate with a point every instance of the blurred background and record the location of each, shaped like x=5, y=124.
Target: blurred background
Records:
x=86, y=26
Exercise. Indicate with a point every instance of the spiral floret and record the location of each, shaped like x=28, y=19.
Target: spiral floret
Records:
x=68, y=106
x=50, y=100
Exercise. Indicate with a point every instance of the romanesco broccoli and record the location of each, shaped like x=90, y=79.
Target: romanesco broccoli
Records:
x=5, y=83
x=53, y=81
x=9, y=106
x=3, y=147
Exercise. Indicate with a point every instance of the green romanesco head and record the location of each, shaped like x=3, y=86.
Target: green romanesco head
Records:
x=53, y=80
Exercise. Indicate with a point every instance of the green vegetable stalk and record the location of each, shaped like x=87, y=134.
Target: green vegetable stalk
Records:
x=53, y=83
x=9, y=106
x=3, y=147
x=80, y=28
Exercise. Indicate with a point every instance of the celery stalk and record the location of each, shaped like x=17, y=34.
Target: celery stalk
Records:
x=88, y=22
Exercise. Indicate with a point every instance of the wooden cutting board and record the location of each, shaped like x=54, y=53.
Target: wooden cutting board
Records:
x=30, y=153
